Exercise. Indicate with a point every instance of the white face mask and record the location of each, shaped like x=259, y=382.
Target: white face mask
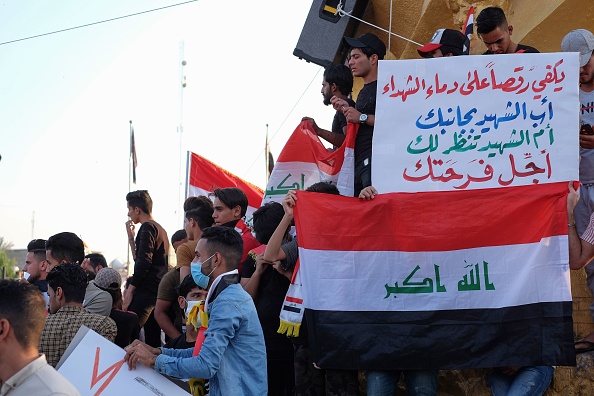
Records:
x=190, y=305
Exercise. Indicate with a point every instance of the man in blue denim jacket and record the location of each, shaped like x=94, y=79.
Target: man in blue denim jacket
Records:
x=233, y=354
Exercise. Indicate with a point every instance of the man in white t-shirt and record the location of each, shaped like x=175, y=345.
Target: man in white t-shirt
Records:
x=582, y=41
x=23, y=371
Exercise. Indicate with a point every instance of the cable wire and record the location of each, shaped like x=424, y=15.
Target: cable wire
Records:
x=97, y=23
x=283, y=123
x=342, y=13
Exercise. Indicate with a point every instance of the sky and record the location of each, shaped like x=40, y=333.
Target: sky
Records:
x=68, y=98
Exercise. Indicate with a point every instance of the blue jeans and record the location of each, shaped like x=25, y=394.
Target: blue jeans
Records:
x=528, y=381
x=418, y=382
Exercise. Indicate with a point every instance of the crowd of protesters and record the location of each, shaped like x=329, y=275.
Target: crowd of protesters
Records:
x=211, y=322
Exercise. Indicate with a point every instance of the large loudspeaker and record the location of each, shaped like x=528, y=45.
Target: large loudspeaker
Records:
x=321, y=38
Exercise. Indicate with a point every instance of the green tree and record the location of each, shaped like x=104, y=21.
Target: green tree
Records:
x=5, y=262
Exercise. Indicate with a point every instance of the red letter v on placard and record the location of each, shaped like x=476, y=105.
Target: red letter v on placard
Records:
x=114, y=368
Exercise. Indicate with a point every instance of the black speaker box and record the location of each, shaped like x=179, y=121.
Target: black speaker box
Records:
x=321, y=38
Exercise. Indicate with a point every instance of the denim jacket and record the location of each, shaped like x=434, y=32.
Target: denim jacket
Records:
x=233, y=355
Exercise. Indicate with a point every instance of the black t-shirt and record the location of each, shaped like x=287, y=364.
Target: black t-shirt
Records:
x=271, y=294
x=152, y=249
x=522, y=49
x=127, y=324
x=179, y=343
x=339, y=121
x=366, y=105
x=41, y=285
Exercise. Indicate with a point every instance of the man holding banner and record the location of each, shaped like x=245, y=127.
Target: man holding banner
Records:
x=337, y=82
x=472, y=269
x=364, y=55
x=582, y=41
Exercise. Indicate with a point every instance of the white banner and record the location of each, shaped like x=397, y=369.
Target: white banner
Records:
x=472, y=122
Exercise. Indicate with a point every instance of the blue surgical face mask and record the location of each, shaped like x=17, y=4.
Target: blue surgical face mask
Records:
x=196, y=269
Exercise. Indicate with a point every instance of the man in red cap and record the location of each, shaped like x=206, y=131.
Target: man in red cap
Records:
x=445, y=42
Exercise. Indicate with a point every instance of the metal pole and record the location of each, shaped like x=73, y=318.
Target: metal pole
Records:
x=182, y=85
x=130, y=165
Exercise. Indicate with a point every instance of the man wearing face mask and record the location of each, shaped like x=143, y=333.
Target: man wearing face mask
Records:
x=190, y=295
x=232, y=355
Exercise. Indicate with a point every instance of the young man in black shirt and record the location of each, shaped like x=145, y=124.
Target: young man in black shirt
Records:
x=364, y=55
x=492, y=28
x=337, y=82
x=152, y=249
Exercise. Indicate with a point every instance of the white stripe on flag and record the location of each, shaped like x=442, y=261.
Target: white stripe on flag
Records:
x=356, y=280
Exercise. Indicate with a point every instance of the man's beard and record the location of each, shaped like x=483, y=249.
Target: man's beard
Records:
x=327, y=100
x=33, y=279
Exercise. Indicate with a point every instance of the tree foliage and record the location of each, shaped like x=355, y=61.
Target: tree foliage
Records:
x=5, y=262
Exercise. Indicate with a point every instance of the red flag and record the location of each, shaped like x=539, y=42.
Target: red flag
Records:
x=205, y=177
x=468, y=29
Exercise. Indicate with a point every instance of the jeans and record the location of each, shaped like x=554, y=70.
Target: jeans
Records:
x=143, y=303
x=528, y=381
x=418, y=382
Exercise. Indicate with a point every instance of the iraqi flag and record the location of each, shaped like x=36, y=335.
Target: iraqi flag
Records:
x=468, y=30
x=305, y=161
x=204, y=177
x=437, y=280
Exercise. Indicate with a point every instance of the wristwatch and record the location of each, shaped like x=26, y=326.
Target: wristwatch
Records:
x=362, y=118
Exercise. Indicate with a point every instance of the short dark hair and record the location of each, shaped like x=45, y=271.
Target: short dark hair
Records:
x=178, y=235
x=367, y=51
x=116, y=297
x=23, y=306
x=202, y=216
x=232, y=197
x=140, y=199
x=323, y=187
x=66, y=246
x=490, y=19
x=340, y=75
x=186, y=286
x=37, y=247
x=226, y=241
x=71, y=278
x=90, y=275
x=455, y=51
x=197, y=202
x=96, y=259
x=266, y=219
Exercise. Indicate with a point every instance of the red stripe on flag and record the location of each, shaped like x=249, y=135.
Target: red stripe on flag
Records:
x=305, y=146
x=208, y=176
x=294, y=300
x=432, y=221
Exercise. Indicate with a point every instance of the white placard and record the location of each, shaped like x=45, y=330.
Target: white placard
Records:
x=95, y=366
x=472, y=122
